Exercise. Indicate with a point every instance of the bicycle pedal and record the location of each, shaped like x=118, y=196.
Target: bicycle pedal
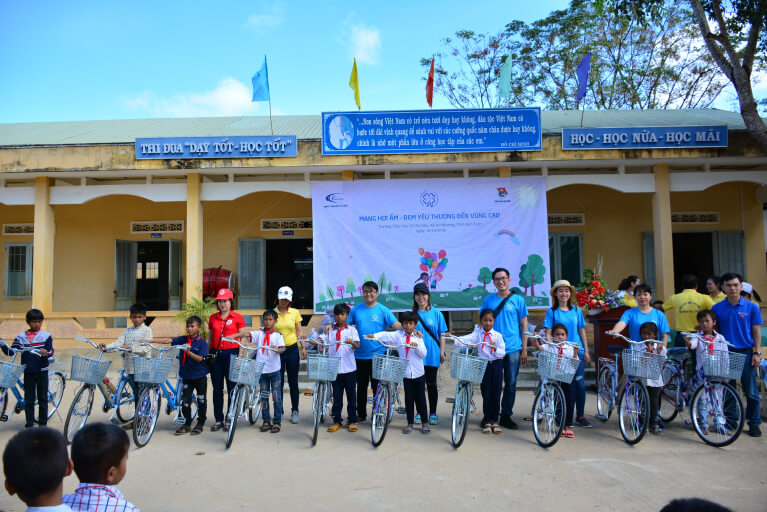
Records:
x=4, y=417
x=308, y=394
x=400, y=410
x=370, y=400
x=600, y=417
x=475, y=412
x=180, y=420
x=527, y=418
x=450, y=400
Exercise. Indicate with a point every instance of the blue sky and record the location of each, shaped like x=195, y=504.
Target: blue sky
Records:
x=81, y=60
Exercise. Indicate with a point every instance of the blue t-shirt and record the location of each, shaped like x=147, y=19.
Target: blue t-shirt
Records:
x=436, y=322
x=370, y=321
x=189, y=369
x=507, y=321
x=572, y=319
x=735, y=322
x=635, y=318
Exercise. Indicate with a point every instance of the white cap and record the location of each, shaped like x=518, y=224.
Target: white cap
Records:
x=748, y=287
x=285, y=293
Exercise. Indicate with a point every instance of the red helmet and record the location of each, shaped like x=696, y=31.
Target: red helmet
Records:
x=224, y=293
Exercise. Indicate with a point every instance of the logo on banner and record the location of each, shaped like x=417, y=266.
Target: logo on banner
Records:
x=335, y=197
x=502, y=192
x=429, y=199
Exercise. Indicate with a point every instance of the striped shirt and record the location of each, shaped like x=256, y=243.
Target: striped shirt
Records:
x=128, y=339
x=98, y=498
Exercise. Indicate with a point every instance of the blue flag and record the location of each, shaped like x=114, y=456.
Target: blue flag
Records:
x=261, y=84
x=582, y=72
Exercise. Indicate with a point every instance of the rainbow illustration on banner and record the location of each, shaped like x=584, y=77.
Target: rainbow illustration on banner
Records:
x=508, y=233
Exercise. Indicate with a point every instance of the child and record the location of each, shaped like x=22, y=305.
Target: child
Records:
x=413, y=348
x=346, y=380
x=35, y=463
x=100, y=457
x=649, y=331
x=707, y=321
x=559, y=335
x=194, y=373
x=270, y=375
x=36, y=370
x=492, y=348
x=128, y=339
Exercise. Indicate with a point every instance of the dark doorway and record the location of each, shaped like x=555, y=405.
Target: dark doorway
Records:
x=152, y=275
x=693, y=254
x=289, y=263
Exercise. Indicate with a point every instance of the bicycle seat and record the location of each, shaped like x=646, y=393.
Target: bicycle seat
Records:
x=614, y=349
x=678, y=353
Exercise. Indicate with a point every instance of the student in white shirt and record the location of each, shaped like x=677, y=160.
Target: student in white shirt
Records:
x=412, y=348
x=270, y=375
x=707, y=321
x=491, y=347
x=649, y=331
x=348, y=341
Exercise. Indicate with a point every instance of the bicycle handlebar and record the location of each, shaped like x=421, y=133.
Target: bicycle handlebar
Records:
x=86, y=340
x=249, y=346
x=372, y=337
x=159, y=349
x=689, y=335
x=550, y=341
x=619, y=335
x=21, y=349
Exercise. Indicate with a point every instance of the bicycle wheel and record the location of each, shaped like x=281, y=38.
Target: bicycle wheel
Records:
x=669, y=396
x=318, y=406
x=379, y=422
x=147, y=411
x=78, y=411
x=124, y=402
x=56, y=384
x=256, y=398
x=324, y=402
x=548, y=414
x=235, y=410
x=604, y=394
x=3, y=403
x=460, y=414
x=634, y=412
x=717, y=414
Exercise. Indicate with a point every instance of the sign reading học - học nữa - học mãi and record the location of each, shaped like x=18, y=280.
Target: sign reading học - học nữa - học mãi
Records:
x=659, y=137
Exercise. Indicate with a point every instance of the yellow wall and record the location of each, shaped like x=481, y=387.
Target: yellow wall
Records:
x=13, y=215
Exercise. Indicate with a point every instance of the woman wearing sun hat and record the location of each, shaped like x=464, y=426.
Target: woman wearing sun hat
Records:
x=564, y=310
x=289, y=325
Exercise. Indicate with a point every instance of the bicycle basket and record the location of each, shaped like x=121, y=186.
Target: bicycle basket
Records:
x=389, y=369
x=10, y=374
x=556, y=366
x=322, y=367
x=642, y=364
x=466, y=367
x=243, y=370
x=90, y=371
x=152, y=370
x=723, y=364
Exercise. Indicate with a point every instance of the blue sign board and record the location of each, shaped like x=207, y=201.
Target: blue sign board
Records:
x=651, y=137
x=179, y=148
x=431, y=131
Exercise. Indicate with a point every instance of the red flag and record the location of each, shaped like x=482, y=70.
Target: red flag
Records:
x=430, y=84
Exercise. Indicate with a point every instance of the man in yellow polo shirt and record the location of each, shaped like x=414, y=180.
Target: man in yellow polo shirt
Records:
x=687, y=305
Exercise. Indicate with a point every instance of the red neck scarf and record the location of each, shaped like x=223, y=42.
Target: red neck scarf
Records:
x=267, y=343
x=338, y=335
x=407, y=343
x=189, y=340
x=485, y=338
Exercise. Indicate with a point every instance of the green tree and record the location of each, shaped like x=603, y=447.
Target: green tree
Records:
x=322, y=297
x=350, y=289
x=368, y=277
x=484, y=277
x=330, y=291
x=662, y=64
x=735, y=35
x=532, y=273
x=382, y=281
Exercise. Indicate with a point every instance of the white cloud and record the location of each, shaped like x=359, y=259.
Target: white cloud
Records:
x=265, y=20
x=364, y=42
x=229, y=98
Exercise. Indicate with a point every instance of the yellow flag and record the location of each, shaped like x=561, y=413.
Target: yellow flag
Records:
x=354, y=83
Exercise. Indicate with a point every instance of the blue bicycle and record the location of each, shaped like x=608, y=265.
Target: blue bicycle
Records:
x=92, y=373
x=10, y=380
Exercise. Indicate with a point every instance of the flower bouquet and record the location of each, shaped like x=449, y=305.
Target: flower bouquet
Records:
x=592, y=293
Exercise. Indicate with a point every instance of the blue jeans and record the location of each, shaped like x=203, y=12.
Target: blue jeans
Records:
x=750, y=388
x=273, y=383
x=510, y=372
x=219, y=374
x=291, y=360
x=579, y=385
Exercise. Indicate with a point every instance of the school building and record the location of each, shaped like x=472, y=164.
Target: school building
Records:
x=88, y=229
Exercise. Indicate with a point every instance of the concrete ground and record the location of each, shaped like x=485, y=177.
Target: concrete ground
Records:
x=595, y=470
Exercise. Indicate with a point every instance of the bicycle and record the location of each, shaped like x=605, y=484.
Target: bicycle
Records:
x=715, y=402
x=10, y=380
x=549, y=404
x=92, y=373
x=389, y=370
x=633, y=400
x=322, y=368
x=153, y=372
x=246, y=373
x=468, y=369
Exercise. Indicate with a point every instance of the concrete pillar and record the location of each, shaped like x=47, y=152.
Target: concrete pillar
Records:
x=504, y=172
x=42, y=255
x=347, y=175
x=661, y=220
x=194, y=242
